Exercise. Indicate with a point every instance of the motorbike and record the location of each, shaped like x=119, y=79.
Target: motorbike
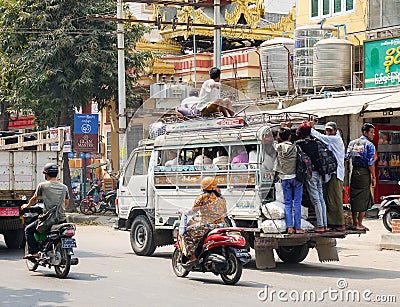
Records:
x=222, y=251
x=389, y=209
x=106, y=202
x=55, y=245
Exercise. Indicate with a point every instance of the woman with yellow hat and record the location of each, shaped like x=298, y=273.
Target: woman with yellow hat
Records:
x=210, y=206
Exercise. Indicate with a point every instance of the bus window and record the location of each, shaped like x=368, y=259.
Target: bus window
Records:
x=187, y=155
x=129, y=170
x=141, y=163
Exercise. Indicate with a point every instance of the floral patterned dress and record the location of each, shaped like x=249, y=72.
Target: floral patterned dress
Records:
x=210, y=210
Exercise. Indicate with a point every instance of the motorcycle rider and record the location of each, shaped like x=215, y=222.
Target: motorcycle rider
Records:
x=50, y=191
x=210, y=206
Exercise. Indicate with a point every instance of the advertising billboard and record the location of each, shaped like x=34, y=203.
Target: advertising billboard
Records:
x=382, y=62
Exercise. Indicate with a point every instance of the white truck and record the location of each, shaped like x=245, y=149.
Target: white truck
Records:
x=22, y=158
x=152, y=190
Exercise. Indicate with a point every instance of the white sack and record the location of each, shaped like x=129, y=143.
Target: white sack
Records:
x=276, y=210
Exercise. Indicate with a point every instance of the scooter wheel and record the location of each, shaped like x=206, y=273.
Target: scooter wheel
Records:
x=177, y=264
x=388, y=216
x=235, y=270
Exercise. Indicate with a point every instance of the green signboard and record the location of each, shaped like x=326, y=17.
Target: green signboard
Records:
x=382, y=62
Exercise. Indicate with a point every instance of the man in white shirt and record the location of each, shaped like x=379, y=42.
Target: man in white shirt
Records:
x=210, y=100
x=334, y=186
x=172, y=159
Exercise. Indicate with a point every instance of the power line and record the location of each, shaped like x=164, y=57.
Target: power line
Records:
x=225, y=26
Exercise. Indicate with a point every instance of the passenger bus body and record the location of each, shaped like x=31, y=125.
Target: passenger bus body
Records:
x=152, y=191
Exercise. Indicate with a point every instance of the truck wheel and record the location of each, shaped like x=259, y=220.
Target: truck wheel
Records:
x=14, y=238
x=142, y=236
x=388, y=216
x=292, y=254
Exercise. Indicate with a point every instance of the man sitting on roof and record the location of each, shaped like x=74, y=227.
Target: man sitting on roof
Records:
x=210, y=101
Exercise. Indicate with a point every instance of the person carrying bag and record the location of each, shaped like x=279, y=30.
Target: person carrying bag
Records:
x=51, y=217
x=55, y=197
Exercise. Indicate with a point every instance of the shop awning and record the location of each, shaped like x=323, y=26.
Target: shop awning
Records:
x=341, y=105
x=391, y=101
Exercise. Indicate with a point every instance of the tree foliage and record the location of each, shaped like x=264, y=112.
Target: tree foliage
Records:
x=55, y=59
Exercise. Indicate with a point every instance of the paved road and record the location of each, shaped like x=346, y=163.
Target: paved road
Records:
x=109, y=274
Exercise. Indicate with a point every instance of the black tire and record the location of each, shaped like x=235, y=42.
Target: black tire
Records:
x=177, y=264
x=85, y=209
x=14, y=238
x=388, y=216
x=235, y=270
x=62, y=270
x=142, y=236
x=32, y=266
x=293, y=254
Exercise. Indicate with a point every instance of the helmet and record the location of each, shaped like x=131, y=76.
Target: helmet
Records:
x=51, y=169
x=209, y=183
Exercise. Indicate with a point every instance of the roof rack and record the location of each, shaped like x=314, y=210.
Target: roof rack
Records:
x=276, y=117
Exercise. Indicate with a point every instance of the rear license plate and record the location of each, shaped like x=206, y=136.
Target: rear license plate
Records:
x=68, y=242
x=9, y=211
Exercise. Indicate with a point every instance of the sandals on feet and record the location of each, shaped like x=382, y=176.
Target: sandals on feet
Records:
x=290, y=231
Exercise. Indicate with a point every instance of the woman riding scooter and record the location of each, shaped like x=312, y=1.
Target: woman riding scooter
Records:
x=210, y=206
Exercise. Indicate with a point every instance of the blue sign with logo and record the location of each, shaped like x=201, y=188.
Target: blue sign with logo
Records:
x=86, y=123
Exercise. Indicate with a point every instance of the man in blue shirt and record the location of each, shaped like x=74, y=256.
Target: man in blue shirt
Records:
x=361, y=151
x=333, y=188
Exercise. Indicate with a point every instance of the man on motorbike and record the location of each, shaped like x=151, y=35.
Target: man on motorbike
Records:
x=210, y=212
x=50, y=192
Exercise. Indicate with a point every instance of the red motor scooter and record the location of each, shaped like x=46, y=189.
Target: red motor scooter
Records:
x=222, y=252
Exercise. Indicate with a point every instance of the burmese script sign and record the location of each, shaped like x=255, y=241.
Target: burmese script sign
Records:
x=382, y=62
x=86, y=132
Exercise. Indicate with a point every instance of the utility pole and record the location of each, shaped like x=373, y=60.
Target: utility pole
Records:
x=121, y=86
x=217, y=34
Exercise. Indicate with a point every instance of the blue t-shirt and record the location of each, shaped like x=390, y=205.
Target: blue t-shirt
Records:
x=361, y=151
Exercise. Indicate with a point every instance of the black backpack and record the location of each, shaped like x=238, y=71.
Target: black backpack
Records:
x=303, y=166
x=326, y=160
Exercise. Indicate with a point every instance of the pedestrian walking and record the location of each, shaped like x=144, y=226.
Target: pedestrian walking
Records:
x=333, y=186
x=361, y=151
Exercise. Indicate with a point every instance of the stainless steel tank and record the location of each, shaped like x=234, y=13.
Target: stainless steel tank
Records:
x=305, y=39
x=276, y=65
x=332, y=63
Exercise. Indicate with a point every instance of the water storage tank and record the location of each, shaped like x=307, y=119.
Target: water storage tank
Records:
x=276, y=65
x=305, y=39
x=332, y=63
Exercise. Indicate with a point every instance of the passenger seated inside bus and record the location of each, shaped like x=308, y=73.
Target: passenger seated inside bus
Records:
x=240, y=155
x=253, y=156
x=172, y=158
x=203, y=159
x=222, y=159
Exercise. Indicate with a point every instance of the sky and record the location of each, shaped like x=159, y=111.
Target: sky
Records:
x=279, y=6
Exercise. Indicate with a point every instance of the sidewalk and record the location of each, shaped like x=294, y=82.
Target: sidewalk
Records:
x=94, y=219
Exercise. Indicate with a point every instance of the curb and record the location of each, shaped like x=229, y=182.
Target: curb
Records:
x=104, y=220
x=390, y=241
